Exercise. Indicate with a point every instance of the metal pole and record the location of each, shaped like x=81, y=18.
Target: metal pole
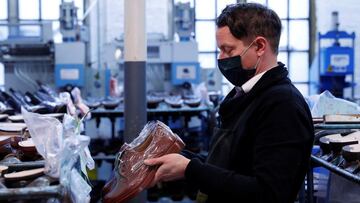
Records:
x=134, y=73
x=13, y=16
x=310, y=184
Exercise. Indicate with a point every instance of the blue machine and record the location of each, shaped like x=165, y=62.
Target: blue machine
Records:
x=69, y=74
x=185, y=67
x=336, y=61
x=70, y=64
x=185, y=72
x=69, y=55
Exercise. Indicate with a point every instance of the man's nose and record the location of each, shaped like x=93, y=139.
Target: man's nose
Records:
x=221, y=55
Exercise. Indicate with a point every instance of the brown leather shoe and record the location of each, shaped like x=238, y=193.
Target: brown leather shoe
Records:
x=6, y=142
x=12, y=128
x=131, y=175
x=27, y=151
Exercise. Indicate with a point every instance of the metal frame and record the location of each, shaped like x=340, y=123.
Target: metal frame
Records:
x=318, y=162
x=44, y=192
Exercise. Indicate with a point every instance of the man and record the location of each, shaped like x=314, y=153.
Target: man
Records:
x=261, y=151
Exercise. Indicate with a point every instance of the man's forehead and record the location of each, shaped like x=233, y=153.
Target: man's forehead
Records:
x=225, y=38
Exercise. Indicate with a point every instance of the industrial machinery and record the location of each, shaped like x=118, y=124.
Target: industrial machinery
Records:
x=336, y=61
x=70, y=55
x=25, y=50
x=171, y=64
x=29, y=53
x=185, y=67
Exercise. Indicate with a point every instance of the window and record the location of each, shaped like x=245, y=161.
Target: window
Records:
x=294, y=47
x=39, y=10
x=206, y=12
x=29, y=31
x=3, y=10
x=205, y=9
x=50, y=10
x=80, y=11
x=29, y=10
x=4, y=31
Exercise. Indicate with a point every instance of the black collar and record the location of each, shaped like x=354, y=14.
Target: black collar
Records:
x=234, y=105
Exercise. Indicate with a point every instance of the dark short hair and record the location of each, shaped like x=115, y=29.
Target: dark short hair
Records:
x=249, y=20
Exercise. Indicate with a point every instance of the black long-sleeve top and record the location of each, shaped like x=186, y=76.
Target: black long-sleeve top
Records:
x=270, y=149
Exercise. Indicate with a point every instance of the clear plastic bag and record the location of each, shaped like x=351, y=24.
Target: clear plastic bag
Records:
x=130, y=173
x=66, y=98
x=326, y=103
x=46, y=133
x=64, y=151
x=83, y=108
x=73, y=127
x=80, y=190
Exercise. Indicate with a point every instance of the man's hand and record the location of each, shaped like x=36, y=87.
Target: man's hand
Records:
x=171, y=167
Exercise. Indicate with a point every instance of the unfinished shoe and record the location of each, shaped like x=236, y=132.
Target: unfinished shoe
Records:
x=12, y=128
x=131, y=175
x=24, y=175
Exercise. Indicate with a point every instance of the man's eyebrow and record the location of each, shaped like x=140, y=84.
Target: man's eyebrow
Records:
x=226, y=45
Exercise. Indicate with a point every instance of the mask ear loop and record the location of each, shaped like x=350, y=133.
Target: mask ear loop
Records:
x=257, y=63
x=247, y=48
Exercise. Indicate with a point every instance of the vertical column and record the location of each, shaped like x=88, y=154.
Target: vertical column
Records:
x=134, y=73
x=13, y=15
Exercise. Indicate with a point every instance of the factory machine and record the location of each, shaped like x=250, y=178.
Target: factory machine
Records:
x=171, y=64
x=336, y=61
x=70, y=55
x=25, y=50
x=29, y=53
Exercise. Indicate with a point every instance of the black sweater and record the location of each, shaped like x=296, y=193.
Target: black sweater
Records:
x=269, y=153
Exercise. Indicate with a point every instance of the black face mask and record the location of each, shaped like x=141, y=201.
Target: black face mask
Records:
x=233, y=70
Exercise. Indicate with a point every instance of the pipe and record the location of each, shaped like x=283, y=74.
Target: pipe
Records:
x=134, y=73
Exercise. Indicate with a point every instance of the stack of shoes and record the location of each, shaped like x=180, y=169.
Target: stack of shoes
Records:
x=5, y=108
x=131, y=175
x=49, y=98
x=12, y=128
x=193, y=102
x=111, y=103
x=174, y=101
x=20, y=101
x=92, y=103
x=16, y=118
x=15, y=146
x=41, y=102
x=153, y=101
x=3, y=117
x=20, y=178
x=24, y=175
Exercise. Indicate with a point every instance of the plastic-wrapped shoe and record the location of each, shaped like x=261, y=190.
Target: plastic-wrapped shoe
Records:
x=131, y=175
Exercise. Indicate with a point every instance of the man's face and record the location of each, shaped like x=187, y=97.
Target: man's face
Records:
x=230, y=46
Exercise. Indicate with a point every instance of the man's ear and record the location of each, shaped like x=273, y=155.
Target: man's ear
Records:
x=261, y=44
